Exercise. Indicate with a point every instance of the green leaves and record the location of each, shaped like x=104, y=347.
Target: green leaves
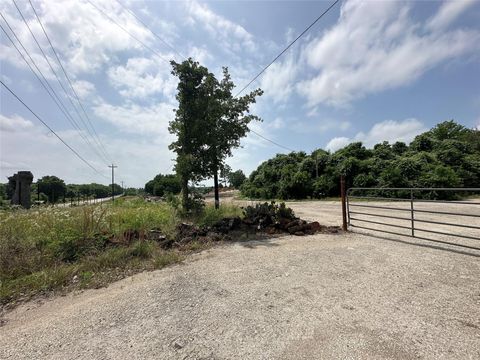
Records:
x=446, y=156
x=209, y=122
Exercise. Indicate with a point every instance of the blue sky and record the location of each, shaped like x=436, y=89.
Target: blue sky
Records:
x=368, y=71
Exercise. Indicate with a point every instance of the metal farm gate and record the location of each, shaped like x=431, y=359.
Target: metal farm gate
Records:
x=413, y=212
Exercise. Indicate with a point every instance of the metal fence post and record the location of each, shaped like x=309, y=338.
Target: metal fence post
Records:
x=411, y=213
x=344, y=207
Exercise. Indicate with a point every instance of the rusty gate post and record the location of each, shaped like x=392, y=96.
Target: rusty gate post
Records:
x=344, y=207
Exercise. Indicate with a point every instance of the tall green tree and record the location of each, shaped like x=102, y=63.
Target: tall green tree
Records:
x=209, y=123
x=228, y=118
x=190, y=124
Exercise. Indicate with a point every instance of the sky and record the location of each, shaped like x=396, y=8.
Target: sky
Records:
x=368, y=71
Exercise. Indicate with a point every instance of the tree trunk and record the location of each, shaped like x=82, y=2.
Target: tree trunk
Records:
x=185, y=194
x=215, y=185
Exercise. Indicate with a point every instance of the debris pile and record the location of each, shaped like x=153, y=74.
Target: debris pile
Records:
x=266, y=218
x=273, y=218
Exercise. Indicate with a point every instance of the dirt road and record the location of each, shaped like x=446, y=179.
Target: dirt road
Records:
x=319, y=297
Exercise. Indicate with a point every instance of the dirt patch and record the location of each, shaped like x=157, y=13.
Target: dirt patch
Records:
x=319, y=296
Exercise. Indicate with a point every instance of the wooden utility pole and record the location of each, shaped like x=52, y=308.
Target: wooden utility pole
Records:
x=113, y=179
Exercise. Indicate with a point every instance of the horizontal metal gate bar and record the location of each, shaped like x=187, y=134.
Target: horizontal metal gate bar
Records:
x=366, y=204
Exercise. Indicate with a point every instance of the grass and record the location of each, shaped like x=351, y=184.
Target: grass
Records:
x=210, y=215
x=60, y=249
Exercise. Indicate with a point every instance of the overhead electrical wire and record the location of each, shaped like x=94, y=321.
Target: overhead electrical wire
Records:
x=67, y=95
x=128, y=32
x=99, y=142
x=51, y=130
x=275, y=59
x=46, y=85
x=288, y=46
x=149, y=29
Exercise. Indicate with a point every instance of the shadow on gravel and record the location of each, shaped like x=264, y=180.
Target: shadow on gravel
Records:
x=469, y=250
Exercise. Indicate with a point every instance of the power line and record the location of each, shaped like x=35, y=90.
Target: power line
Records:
x=126, y=31
x=289, y=45
x=149, y=29
x=50, y=129
x=96, y=138
x=273, y=142
x=58, y=79
x=51, y=92
x=275, y=59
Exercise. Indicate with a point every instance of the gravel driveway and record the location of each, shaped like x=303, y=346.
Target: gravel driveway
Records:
x=347, y=296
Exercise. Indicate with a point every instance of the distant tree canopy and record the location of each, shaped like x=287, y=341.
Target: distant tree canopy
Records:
x=93, y=189
x=446, y=156
x=163, y=184
x=208, y=124
x=236, y=178
x=53, y=187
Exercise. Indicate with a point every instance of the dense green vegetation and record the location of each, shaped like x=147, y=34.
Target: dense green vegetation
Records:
x=162, y=185
x=446, y=156
x=46, y=249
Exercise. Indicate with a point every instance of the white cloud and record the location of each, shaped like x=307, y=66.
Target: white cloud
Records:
x=337, y=143
x=388, y=130
x=133, y=155
x=278, y=80
x=373, y=47
x=200, y=54
x=219, y=27
x=447, y=13
x=135, y=119
x=278, y=123
x=83, y=88
x=142, y=77
x=14, y=123
x=391, y=131
x=85, y=39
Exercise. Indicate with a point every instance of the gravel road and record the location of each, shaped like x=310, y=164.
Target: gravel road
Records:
x=348, y=296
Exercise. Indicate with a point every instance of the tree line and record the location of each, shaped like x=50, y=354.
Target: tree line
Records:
x=162, y=185
x=52, y=189
x=448, y=155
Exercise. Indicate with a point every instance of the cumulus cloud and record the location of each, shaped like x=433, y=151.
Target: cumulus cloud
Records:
x=142, y=77
x=388, y=130
x=135, y=119
x=376, y=46
x=278, y=80
x=337, y=143
x=220, y=27
x=391, y=131
x=14, y=123
x=132, y=155
x=83, y=88
x=85, y=39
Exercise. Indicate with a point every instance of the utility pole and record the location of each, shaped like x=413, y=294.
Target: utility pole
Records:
x=122, y=188
x=316, y=164
x=113, y=188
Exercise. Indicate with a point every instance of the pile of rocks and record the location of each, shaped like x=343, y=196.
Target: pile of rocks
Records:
x=267, y=218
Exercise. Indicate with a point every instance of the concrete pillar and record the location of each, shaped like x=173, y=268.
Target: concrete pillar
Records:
x=23, y=180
